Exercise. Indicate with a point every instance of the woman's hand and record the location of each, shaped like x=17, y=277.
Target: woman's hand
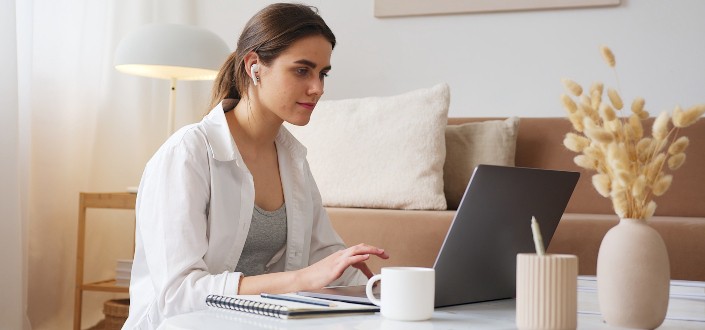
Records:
x=314, y=276
x=332, y=267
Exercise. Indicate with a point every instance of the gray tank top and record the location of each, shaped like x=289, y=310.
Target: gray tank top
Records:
x=266, y=237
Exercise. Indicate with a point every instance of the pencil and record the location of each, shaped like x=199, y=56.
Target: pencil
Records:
x=297, y=299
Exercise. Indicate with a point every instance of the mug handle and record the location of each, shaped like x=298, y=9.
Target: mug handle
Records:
x=368, y=289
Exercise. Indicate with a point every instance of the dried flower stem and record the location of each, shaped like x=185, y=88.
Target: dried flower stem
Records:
x=630, y=167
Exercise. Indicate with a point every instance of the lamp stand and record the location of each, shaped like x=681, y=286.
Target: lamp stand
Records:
x=172, y=107
x=170, y=120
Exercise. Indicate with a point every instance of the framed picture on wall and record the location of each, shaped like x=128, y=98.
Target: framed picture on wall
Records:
x=394, y=8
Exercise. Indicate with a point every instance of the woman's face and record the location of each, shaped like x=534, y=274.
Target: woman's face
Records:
x=291, y=86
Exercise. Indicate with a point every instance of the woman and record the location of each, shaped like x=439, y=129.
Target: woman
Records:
x=228, y=205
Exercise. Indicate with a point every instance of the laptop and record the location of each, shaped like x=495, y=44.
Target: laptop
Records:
x=477, y=261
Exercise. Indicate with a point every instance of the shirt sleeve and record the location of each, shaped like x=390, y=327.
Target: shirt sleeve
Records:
x=172, y=224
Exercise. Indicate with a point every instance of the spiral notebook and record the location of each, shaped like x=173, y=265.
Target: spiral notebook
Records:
x=283, y=309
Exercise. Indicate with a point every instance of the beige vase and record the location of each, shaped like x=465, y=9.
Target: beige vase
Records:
x=633, y=276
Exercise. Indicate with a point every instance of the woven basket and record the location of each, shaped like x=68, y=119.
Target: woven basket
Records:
x=115, y=311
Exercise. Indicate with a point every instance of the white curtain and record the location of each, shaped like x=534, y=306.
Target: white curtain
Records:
x=88, y=128
x=13, y=183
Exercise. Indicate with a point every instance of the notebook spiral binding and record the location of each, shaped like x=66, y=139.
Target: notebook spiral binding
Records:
x=247, y=306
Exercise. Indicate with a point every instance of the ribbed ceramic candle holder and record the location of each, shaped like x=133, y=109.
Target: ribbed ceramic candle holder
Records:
x=547, y=291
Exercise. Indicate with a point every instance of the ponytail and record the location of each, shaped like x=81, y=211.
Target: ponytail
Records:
x=224, y=86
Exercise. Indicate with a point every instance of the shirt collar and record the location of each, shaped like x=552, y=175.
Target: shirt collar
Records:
x=223, y=147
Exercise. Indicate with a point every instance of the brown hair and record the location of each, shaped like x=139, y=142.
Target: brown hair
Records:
x=268, y=33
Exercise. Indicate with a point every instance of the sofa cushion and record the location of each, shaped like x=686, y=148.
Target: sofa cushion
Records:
x=491, y=142
x=379, y=152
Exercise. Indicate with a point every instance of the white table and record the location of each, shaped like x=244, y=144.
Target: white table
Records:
x=686, y=311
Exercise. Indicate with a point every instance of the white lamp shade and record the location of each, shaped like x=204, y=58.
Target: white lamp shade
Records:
x=171, y=51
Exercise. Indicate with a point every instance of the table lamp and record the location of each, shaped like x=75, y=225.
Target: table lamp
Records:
x=174, y=52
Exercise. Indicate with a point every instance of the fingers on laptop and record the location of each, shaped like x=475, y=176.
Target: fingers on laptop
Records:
x=362, y=266
x=368, y=249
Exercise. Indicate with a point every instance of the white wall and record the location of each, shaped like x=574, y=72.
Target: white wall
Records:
x=500, y=64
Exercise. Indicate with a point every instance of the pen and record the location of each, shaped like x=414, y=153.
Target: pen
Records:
x=297, y=299
x=538, y=241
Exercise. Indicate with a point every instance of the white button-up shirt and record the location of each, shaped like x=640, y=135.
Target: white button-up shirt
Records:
x=194, y=208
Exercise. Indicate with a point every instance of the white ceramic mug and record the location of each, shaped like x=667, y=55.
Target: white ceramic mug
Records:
x=407, y=293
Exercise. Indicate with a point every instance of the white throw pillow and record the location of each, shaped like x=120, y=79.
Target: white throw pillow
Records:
x=380, y=152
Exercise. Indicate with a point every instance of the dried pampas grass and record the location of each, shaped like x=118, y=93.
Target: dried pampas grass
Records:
x=615, y=99
x=675, y=161
x=575, y=142
x=678, y=146
x=629, y=164
x=572, y=87
x=688, y=117
x=660, y=128
x=608, y=56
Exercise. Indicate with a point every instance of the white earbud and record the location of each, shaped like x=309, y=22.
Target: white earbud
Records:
x=253, y=69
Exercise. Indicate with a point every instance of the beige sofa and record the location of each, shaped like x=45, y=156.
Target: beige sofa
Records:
x=413, y=238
